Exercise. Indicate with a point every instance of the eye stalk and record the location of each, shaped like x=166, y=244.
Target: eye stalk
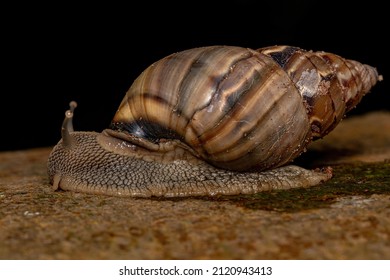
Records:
x=67, y=126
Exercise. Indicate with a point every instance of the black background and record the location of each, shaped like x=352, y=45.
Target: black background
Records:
x=55, y=53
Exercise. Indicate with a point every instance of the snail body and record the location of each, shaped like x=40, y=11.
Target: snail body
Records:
x=214, y=120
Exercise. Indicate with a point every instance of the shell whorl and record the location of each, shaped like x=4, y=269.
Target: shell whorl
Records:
x=243, y=109
x=329, y=84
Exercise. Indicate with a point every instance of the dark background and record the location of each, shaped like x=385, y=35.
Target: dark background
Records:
x=55, y=53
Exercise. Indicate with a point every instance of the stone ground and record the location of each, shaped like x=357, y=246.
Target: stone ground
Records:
x=345, y=218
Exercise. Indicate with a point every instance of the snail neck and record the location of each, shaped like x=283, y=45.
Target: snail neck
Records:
x=132, y=146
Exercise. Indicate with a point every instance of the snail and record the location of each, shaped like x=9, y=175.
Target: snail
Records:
x=215, y=120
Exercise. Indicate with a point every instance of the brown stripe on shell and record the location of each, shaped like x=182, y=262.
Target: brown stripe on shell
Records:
x=186, y=81
x=327, y=103
x=351, y=81
x=330, y=85
x=150, y=126
x=248, y=128
x=241, y=76
x=278, y=129
x=310, y=80
x=162, y=80
x=367, y=77
x=200, y=83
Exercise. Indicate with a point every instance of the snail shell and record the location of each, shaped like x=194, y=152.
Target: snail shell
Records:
x=206, y=121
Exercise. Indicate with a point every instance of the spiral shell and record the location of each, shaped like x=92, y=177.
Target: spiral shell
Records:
x=242, y=109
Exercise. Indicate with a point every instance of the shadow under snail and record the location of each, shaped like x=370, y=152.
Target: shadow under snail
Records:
x=216, y=120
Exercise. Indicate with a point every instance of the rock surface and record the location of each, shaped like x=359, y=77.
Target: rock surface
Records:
x=345, y=218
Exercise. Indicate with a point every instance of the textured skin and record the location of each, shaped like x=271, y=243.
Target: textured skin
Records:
x=95, y=170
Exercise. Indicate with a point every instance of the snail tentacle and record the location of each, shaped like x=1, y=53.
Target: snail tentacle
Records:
x=67, y=126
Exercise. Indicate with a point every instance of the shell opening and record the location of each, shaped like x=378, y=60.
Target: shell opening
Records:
x=67, y=126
